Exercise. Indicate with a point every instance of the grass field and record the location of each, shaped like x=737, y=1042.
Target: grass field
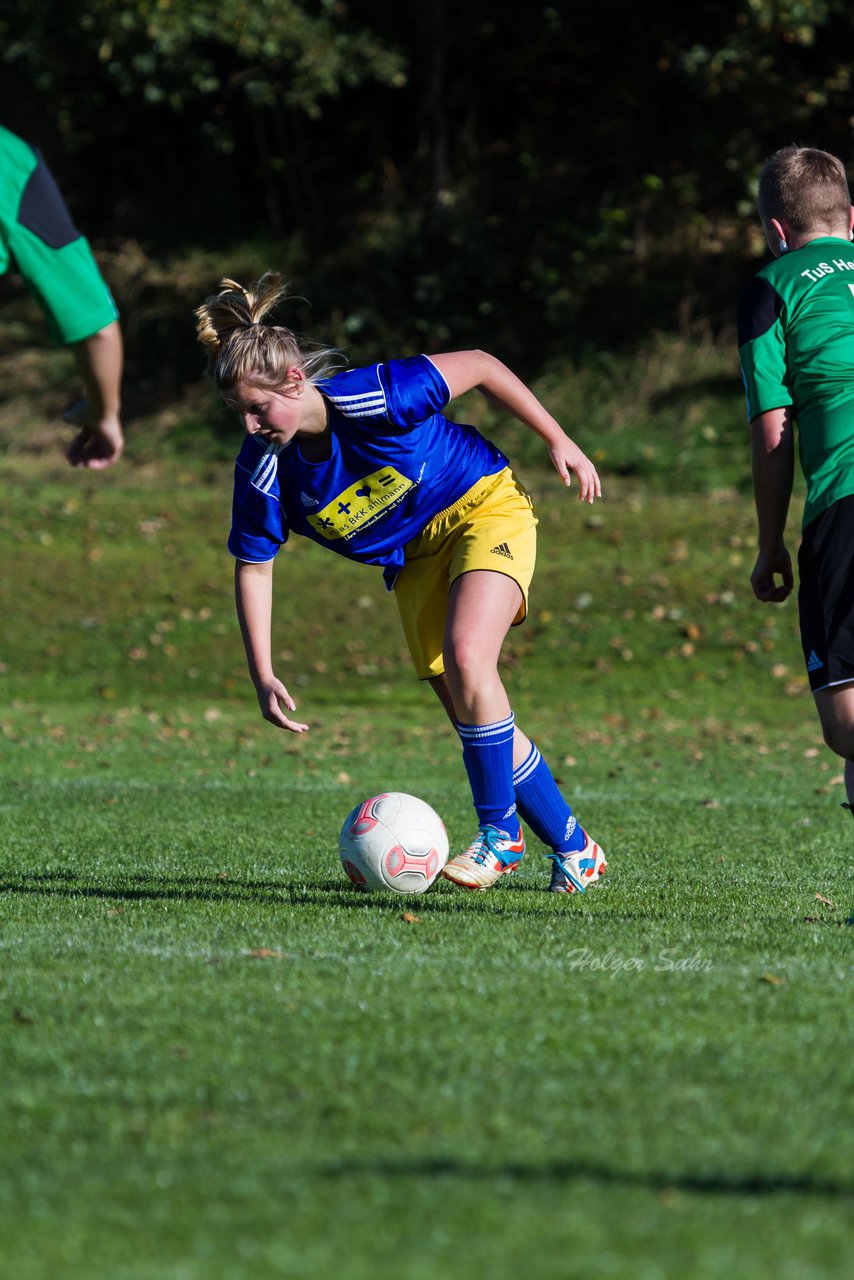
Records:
x=221, y=1062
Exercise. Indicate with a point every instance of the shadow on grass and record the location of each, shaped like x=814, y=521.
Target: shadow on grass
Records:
x=752, y=1184
x=325, y=892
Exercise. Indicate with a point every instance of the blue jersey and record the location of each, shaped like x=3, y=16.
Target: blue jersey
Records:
x=396, y=462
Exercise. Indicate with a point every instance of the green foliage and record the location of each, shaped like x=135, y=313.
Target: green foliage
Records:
x=435, y=163
x=271, y=51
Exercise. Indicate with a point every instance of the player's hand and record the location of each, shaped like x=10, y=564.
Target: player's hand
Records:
x=272, y=695
x=99, y=442
x=567, y=457
x=768, y=565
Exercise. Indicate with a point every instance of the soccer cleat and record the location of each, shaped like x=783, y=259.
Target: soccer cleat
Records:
x=491, y=854
x=574, y=872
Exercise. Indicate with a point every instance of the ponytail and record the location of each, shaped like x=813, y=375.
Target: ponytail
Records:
x=242, y=347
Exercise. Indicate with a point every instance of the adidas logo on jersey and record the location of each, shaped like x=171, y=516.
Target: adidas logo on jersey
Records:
x=814, y=662
x=307, y=501
x=502, y=550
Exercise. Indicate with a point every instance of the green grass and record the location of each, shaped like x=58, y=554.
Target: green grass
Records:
x=220, y=1061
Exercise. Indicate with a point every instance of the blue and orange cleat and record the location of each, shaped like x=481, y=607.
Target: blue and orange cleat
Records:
x=491, y=854
x=575, y=872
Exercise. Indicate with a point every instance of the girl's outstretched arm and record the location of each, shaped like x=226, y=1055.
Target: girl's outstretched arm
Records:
x=465, y=370
x=253, y=591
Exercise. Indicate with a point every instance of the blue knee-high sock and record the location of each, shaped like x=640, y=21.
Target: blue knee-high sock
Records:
x=542, y=806
x=488, y=758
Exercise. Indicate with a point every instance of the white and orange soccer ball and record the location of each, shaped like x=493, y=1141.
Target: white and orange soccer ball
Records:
x=393, y=841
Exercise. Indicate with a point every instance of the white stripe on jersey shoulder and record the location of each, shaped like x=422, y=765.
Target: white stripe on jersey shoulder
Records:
x=267, y=469
x=365, y=404
x=441, y=374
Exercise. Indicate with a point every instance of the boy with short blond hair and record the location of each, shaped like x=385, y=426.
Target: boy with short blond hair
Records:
x=796, y=349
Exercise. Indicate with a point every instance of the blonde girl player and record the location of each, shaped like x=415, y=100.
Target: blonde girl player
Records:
x=365, y=463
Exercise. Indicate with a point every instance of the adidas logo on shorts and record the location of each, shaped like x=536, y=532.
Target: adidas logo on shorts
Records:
x=502, y=550
x=814, y=662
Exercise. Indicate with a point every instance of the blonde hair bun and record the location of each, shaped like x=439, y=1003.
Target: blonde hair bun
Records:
x=237, y=307
x=241, y=347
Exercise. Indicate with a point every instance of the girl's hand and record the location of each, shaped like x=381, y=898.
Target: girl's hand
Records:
x=567, y=457
x=271, y=695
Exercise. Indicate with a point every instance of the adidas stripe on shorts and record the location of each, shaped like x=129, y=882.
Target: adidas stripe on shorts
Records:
x=493, y=527
x=826, y=595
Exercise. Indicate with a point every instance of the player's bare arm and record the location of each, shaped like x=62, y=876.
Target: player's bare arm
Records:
x=773, y=472
x=466, y=370
x=253, y=591
x=99, y=360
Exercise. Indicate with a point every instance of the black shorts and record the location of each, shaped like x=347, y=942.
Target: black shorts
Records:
x=826, y=596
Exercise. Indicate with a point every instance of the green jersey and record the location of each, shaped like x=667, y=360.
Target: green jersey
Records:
x=38, y=237
x=796, y=347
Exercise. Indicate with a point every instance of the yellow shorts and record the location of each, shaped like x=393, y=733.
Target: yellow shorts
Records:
x=493, y=527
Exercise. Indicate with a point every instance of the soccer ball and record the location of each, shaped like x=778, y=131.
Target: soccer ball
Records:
x=393, y=841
